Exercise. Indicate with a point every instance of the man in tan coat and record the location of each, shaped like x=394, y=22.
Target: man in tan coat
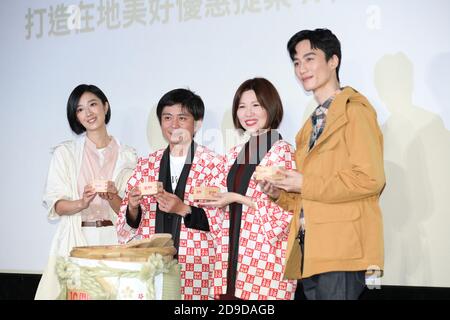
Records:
x=336, y=235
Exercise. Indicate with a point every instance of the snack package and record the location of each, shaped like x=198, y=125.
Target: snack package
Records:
x=205, y=192
x=151, y=188
x=267, y=172
x=100, y=185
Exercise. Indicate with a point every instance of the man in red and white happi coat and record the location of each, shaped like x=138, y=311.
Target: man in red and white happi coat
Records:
x=182, y=166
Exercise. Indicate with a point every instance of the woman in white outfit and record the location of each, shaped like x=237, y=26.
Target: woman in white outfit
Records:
x=87, y=216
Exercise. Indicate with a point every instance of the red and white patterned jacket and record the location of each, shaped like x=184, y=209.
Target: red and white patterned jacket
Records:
x=196, y=251
x=263, y=237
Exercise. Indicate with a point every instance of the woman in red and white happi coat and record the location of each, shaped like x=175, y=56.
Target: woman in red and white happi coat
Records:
x=173, y=210
x=252, y=231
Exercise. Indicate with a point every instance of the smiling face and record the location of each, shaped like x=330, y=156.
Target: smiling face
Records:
x=177, y=125
x=91, y=112
x=251, y=114
x=313, y=70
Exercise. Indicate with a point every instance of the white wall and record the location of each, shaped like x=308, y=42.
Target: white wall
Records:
x=395, y=52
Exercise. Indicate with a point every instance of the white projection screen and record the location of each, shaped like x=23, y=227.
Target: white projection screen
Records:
x=397, y=53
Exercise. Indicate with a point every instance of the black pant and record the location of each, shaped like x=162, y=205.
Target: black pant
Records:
x=336, y=285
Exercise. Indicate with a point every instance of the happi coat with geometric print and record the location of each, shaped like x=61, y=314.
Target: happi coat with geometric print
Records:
x=196, y=252
x=263, y=237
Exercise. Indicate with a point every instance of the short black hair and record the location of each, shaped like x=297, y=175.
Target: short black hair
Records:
x=72, y=105
x=322, y=39
x=188, y=100
x=267, y=96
